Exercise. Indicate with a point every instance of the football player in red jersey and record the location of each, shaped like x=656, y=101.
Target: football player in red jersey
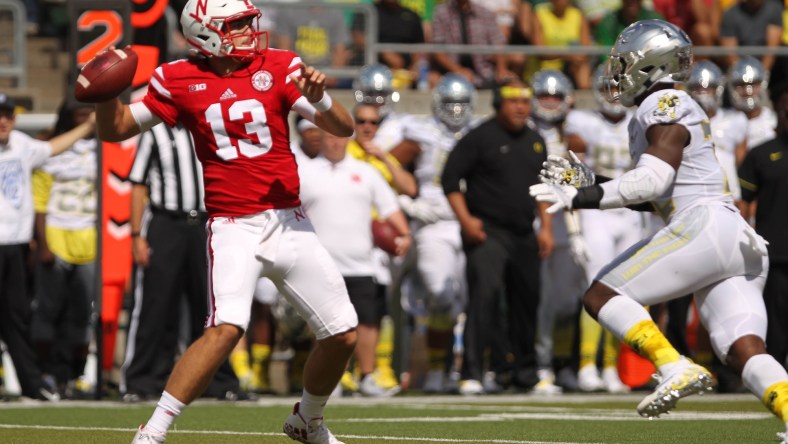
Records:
x=235, y=97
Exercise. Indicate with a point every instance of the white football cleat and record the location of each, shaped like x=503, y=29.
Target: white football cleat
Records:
x=546, y=384
x=471, y=387
x=686, y=379
x=588, y=379
x=148, y=437
x=369, y=386
x=490, y=384
x=308, y=432
x=783, y=436
x=613, y=382
x=433, y=382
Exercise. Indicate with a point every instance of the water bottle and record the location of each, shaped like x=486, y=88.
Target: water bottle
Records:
x=459, y=330
x=424, y=69
x=458, y=348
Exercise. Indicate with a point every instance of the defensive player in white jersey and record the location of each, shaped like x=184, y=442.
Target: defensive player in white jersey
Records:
x=563, y=275
x=706, y=248
x=601, y=135
x=747, y=86
x=729, y=127
x=234, y=96
x=440, y=260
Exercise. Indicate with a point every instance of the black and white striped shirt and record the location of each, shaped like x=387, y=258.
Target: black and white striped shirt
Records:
x=167, y=164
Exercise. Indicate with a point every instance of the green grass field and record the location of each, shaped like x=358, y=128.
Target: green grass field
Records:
x=509, y=419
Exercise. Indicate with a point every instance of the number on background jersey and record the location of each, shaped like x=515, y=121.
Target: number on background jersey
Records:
x=226, y=150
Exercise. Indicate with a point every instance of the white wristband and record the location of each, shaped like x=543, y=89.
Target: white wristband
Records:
x=324, y=104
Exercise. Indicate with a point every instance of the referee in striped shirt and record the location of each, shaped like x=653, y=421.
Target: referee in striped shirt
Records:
x=168, y=245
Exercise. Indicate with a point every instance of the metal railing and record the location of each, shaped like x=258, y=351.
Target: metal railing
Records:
x=17, y=67
x=372, y=47
x=369, y=15
x=712, y=51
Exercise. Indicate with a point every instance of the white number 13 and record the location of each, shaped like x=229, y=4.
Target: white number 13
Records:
x=257, y=126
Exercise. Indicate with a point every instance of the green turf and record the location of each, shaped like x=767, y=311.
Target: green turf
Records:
x=510, y=419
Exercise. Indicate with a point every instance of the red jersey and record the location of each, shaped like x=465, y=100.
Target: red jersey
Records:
x=240, y=129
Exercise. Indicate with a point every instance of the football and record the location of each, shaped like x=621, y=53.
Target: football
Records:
x=106, y=76
x=384, y=236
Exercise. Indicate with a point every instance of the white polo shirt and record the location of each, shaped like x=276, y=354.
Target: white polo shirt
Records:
x=339, y=199
x=17, y=160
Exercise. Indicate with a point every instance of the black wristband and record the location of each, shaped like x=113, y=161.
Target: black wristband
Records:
x=601, y=179
x=135, y=234
x=588, y=197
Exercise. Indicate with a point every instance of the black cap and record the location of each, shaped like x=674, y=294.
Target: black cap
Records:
x=6, y=103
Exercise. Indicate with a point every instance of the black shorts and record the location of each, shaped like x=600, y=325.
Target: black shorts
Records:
x=368, y=298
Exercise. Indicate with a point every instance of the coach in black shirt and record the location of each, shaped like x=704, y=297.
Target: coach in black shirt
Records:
x=764, y=178
x=497, y=162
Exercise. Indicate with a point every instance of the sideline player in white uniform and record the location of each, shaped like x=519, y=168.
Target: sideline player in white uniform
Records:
x=563, y=276
x=602, y=136
x=747, y=86
x=706, y=248
x=440, y=260
x=729, y=127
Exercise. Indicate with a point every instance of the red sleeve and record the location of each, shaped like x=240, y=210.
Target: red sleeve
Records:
x=292, y=67
x=159, y=98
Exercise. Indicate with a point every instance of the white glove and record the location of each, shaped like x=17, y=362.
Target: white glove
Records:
x=418, y=209
x=560, y=171
x=578, y=248
x=559, y=195
x=757, y=242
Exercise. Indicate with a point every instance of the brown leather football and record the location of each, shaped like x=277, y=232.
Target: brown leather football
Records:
x=106, y=76
x=384, y=236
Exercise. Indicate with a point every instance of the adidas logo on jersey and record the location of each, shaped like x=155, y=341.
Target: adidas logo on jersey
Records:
x=227, y=95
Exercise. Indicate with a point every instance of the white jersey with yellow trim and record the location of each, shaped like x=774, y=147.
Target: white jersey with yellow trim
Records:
x=436, y=141
x=729, y=128
x=391, y=130
x=553, y=135
x=761, y=128
x=607, y=143
x=700, y=179
x=72, y=198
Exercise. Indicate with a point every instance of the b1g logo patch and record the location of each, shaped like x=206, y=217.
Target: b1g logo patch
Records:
x=262, y=81
x=667, y=106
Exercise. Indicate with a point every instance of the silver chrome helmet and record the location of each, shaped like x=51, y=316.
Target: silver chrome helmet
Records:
x=706, y=84
x=747, y=81
x=373, y=85
x=647, y=52
x=453, y=101
x=612, y=108
x=551, y=83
